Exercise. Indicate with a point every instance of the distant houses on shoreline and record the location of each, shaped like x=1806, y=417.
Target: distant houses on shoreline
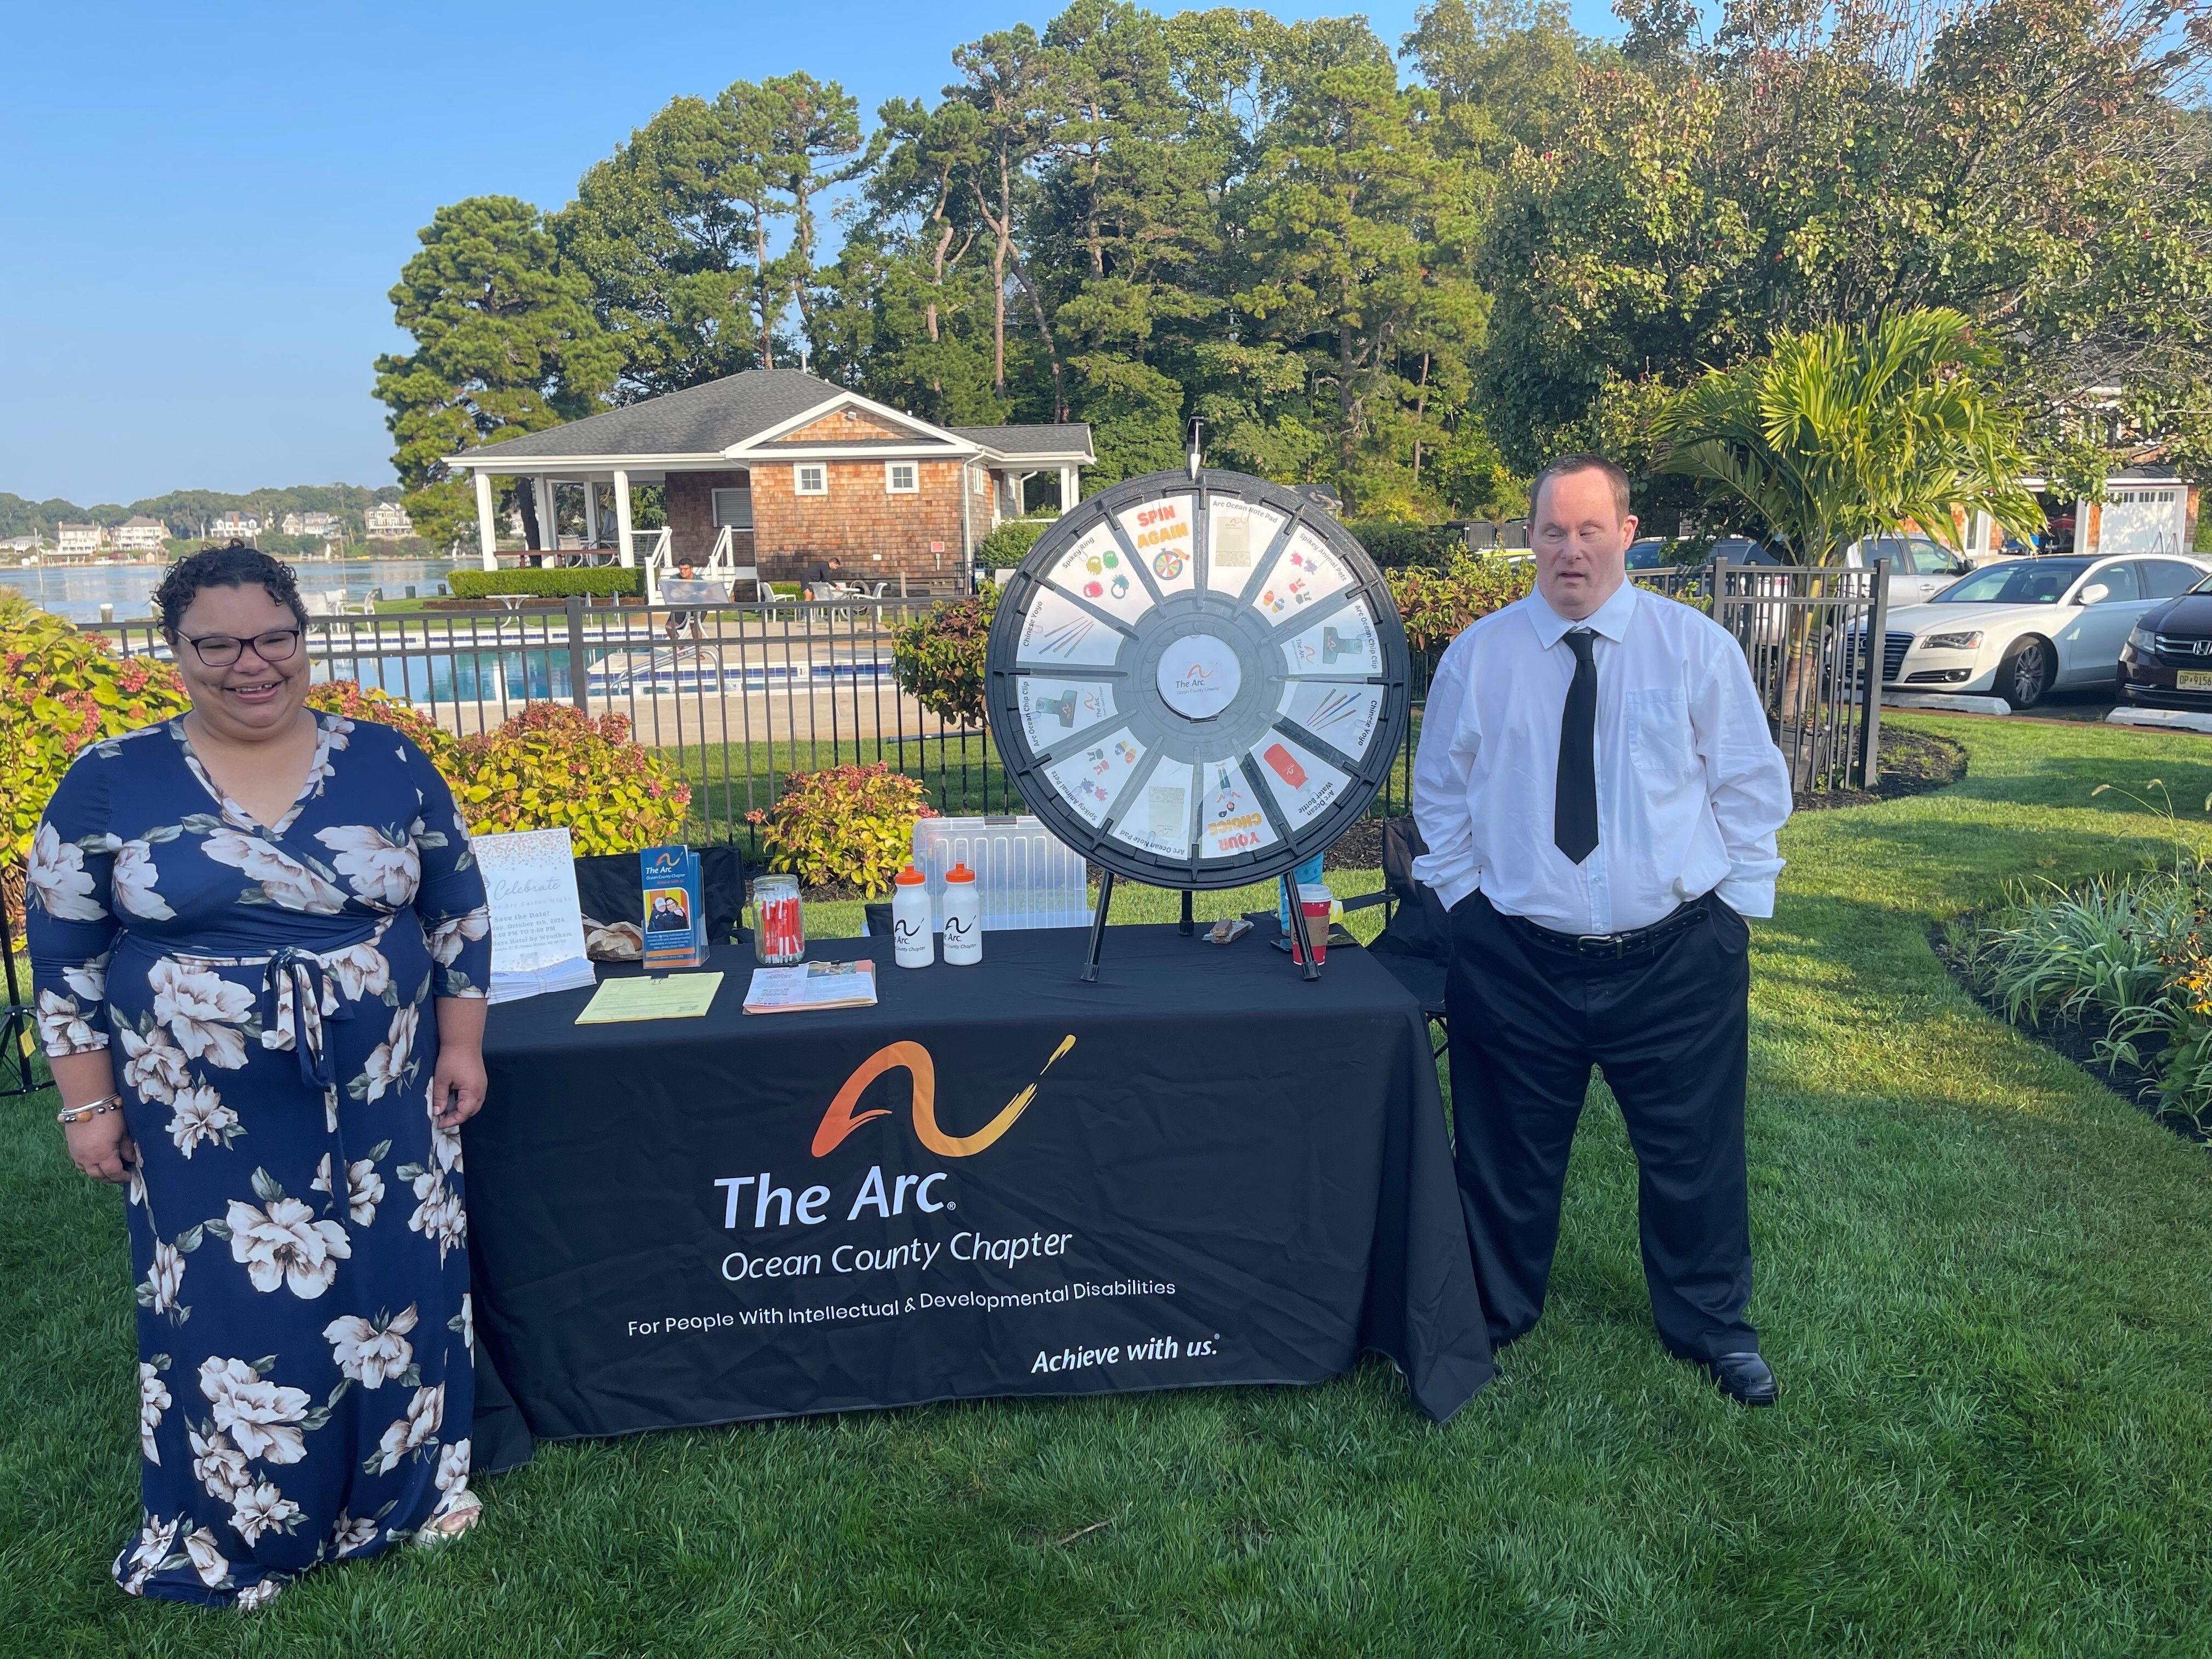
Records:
x=140, y=537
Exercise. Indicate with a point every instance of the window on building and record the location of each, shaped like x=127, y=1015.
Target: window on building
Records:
x=901, y=477
x=810, y=478
x=733, y=508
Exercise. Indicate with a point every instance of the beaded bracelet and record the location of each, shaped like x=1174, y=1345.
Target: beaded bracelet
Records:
x=90, y=1110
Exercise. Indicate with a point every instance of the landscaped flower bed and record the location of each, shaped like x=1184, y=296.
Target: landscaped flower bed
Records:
x=2118, y=970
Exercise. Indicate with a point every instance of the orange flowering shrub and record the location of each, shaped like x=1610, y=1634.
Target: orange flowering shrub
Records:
x=349, y=700
x=939, y=657
x=554, y=767
x=59, y=691
x=845, y=825
x=1435, y=605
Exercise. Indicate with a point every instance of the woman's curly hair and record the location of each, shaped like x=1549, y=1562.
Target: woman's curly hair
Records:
x=234, y=566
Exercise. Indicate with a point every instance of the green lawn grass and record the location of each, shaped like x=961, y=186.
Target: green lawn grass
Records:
x=1983, y=1278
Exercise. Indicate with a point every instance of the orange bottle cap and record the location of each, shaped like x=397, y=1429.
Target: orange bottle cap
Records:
x=960, y=872
x=910, y=876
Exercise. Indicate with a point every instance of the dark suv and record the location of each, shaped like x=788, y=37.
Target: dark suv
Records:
x=2167, y=661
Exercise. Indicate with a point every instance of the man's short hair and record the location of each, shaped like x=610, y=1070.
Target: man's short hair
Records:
x=1584, y=463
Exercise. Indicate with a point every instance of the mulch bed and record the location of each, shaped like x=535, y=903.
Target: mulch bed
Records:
x=2072, y=1041
x=1910, y=764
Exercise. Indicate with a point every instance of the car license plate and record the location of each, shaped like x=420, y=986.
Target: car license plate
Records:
x=2193, y=679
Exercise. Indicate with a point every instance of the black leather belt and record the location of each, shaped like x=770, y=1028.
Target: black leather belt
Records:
x=1616, y=944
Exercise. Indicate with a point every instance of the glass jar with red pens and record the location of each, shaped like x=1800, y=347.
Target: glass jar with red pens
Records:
x=779, y=927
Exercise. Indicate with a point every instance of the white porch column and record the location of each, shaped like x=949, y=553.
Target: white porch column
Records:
x=549, y=535
x=590, y=513
x=1070, y=487
x=487, y=520
x=623, y=533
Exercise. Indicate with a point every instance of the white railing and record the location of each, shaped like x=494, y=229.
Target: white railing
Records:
x=652, y=552
x=659, y=557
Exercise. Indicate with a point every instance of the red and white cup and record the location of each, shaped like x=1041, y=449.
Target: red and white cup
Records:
x=1315, y=906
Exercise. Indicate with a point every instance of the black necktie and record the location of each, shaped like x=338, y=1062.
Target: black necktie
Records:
x=1574, y=808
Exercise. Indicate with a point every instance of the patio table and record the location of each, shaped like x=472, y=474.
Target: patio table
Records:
x=1203, y=1170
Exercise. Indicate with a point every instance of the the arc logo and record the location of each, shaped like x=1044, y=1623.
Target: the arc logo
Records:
x=840, y=1119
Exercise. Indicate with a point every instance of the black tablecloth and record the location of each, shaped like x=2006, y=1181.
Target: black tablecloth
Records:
x=1204, y=1169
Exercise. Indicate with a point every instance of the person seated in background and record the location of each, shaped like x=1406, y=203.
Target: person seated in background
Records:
x=825, y=580
x=679, y=620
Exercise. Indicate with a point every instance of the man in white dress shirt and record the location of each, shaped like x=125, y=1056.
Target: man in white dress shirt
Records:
x=1599, y=796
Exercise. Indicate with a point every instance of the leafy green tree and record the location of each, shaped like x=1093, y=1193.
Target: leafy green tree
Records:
x=667, y=234
x=505, y=342
x=1616, y=253
x=1841, y=433
x=1504, y=75
x=812, y=143
x=2028, y=162
x=1014, y=83
x=1357, y=238
x=1127, y=238
x=906, y=313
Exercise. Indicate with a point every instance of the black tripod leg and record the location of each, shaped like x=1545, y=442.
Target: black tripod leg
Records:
x=1304, y=934
x=1098, y=927
x=1186, y=913
x=16, y=1026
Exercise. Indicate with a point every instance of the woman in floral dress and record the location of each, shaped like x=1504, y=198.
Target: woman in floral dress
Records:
x=258, y=934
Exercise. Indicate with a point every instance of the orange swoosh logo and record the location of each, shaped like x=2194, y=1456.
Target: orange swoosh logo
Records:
x=840, y=1120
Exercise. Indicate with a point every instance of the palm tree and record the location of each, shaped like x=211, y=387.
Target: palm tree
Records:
x=1842, y=432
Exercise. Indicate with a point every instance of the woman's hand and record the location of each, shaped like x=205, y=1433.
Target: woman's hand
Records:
x=457, y=1087
x=100, y=1146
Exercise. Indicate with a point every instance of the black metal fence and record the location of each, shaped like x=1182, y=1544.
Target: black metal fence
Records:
x=737, y=696
x=1804, y=630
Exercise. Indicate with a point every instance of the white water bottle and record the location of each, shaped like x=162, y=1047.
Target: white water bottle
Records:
x=912, y=943
x=963, y=918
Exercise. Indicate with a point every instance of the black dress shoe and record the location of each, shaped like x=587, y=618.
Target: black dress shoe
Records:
x=1745, y=1377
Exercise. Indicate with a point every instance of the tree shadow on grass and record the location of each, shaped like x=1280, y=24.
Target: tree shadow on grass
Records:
x=1944, y=865
x=2063, y=780
x=1851, y=1007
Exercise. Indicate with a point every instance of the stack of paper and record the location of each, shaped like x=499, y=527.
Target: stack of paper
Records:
x=536, y=926
x=679, y=996
x=571, y=975
x=812, y=984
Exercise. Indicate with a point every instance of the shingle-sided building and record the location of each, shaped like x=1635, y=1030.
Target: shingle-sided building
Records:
x=794, y=470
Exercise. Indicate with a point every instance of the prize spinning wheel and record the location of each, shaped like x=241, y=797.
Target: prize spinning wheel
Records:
x=1197, y=680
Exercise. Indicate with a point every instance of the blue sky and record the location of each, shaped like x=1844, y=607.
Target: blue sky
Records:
x=205, y=205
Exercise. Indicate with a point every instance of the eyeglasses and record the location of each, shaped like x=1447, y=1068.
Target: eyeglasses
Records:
x=219, y=650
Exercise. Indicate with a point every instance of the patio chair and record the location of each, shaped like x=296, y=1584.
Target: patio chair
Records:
x=1415, y=943
x=611, y=892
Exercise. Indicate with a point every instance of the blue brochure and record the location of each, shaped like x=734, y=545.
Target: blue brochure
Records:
x=675, y=917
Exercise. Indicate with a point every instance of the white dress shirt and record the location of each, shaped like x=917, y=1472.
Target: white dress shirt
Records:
x=1691, y=789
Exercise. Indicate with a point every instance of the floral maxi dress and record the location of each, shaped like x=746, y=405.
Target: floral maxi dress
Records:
x=296, y=1229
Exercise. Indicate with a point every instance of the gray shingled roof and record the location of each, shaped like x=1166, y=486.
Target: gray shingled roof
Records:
x=701, y=420
x=1061, y=439
x=706, y=419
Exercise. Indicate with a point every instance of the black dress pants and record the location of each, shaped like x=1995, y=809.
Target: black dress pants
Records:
x=1669, y=1026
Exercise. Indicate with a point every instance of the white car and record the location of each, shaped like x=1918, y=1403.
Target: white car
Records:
x=2022, y=627
x=1920, y=567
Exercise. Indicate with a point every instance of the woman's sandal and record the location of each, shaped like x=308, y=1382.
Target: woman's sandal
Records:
x=457, y=1515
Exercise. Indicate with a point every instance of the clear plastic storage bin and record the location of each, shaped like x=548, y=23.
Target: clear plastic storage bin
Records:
x=1025, y=876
